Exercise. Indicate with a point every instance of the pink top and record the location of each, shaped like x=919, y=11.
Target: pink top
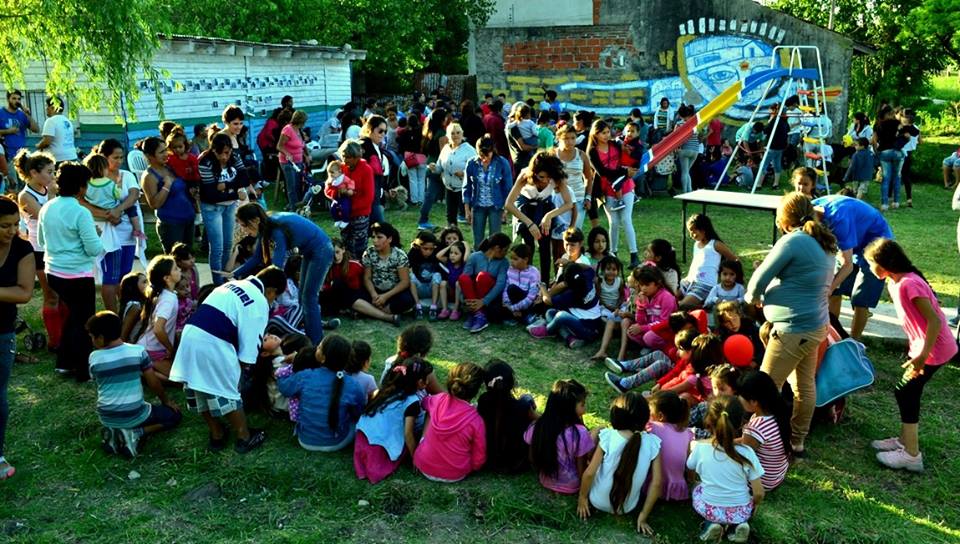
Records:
x=656, y=309
x=293, y=145
x=611, y=160
x=909, y=287
x=573, y=443
x=674, y=445
x=455, y=441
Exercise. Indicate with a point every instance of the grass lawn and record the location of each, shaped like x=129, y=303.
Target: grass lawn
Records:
x=67, y=490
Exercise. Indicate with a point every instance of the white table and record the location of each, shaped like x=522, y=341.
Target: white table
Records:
x=730, y=199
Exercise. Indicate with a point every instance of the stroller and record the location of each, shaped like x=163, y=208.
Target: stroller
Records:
x=311, y=186
x=32, y=340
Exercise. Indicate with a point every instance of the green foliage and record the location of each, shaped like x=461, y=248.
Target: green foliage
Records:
x=401, y=37
x=92, y=53
x=937, y=23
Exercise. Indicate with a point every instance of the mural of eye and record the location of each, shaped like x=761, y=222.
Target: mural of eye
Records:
x=721, y=75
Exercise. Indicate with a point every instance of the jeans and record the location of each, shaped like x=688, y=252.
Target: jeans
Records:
x=567, y=325
x=313, y=271
x=623, y=217
x=218, y=225
x=8, y=351
x=434, y=186
x=454, y=206
x=417, y=177
x=483, y=216
x=687, y=158
x=79, y=295
x=171, y=233
x=580, y=212
x=891, y=160
x=793, y=357
x=292, y=182
x=376, y=212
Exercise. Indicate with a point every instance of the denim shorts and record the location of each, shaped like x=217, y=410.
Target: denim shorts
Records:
x=952, y=161
x=863, y=288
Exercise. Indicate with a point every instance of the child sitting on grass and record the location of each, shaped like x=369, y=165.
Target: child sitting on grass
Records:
x=614, y=300
x=655, y=302
x=668, y=421
x=768, y=431
x=625, y=456
x=651, y=366
x=523, y=285
x=117, y=369
x=454, y=441
x=506, y=418
x=560, y=444
x=359, y=365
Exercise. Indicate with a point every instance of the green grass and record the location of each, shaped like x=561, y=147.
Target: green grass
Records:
x=945, y=88
x=67, y=490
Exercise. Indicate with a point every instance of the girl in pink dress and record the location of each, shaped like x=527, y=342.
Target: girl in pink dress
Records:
x=668, y=421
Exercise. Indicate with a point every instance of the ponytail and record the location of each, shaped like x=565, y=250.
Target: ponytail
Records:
x=26, y=162
x=629, y=412
x=336, y=352
x=796, y=211
x=723, y=418
x=760, y=388
x=159, y=268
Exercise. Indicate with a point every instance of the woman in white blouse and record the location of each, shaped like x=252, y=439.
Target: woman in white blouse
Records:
x=452, y=165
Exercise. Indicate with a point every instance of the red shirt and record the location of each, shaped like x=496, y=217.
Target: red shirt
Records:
x=716, y=132
x=495, y=127
x=362, y=176
x=353, y=277
x=185, y=169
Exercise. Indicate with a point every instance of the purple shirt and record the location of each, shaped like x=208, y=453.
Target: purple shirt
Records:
x=575, y=442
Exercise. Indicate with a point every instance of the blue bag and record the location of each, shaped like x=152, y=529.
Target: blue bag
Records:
x=845, y=368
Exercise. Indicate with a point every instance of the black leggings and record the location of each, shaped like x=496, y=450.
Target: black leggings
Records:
x=908, y=395
x=80, y=297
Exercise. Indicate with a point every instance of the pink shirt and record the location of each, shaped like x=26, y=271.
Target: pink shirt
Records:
x=455, y=441
x=655, y=309
x=293, y=145
x=903, y=292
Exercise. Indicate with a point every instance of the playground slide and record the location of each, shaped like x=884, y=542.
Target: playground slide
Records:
x=715, y=107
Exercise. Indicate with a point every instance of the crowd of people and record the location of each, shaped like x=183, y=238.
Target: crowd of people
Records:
x=734, y=358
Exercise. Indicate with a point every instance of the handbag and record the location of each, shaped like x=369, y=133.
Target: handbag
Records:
x=413, y=160
x=845, y=368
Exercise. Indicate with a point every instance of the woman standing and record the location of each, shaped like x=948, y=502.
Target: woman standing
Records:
x=488, y=181
x=471, y=122
x=434, y=139
x=17, y=269
x=579, y=172
x=276, y=235
x=891, y=157
x=354, y=167
x=533, y=191
x=168, y=195
x=689, y=150
x=409, y=140
x=290, y=150
x=67, y=232
x=452, y=165
x=802, y=262
x=223, y=180
x=371, y=140
x=386, y=276
x=617, y=184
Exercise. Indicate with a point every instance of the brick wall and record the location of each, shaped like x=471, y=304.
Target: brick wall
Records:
x=575, y=51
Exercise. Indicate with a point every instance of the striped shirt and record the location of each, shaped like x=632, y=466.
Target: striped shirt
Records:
x=772, y=456
x=692, y=143
x=117, y=372
x=528, y=280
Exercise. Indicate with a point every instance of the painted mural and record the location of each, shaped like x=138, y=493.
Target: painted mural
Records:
x=710, y=55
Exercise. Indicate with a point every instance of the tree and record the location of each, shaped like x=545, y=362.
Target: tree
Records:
x=92, y=53
x=936, y=22
x=400, y=36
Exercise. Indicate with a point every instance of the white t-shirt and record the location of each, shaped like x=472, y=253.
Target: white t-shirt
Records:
x=60, y=129
x=724, y=482
x=166, y=308
x=612, y=444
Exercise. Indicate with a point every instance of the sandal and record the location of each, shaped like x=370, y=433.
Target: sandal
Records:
x=7, y=472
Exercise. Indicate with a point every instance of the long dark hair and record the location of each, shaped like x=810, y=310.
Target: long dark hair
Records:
x=336, y=355
x=559, y=414
x=699, y=221
x=723, y=419
x=760, y=388
x=387, y=230
x=597, y=127
x=707, y=350
x=415, y=340
x=668, y=256
x=130, y=290
x=159, y=268
x=250, y=211
x=500, y=381
x=629, y=412
x=497, y=239
x=433, y=125
x=401, y=381
x=891, y=257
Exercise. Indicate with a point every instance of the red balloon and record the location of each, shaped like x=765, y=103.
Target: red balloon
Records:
x=738, y=350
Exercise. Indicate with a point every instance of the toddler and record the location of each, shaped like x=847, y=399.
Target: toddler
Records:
x=104, y=193
x=559, y=441
x=669, y=414
x=614, y=297
x=452, y=259
x=339, y=189
x=626, y=454
x=545, y=136
x=185, y=305
x=861, y=169
x=281, y=355
x=454, y=440
x=505, y=418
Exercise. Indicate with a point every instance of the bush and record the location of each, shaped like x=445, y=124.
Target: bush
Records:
x=928, y=158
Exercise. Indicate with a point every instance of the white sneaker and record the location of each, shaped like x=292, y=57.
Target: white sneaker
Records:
x=740, y=534
x=887, y=444
x=895, y=205
x=900, y=459
x=341, y=224
x=883, y=207
x=131, y=437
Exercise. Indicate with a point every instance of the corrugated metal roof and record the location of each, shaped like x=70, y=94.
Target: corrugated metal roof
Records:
x=305, y=45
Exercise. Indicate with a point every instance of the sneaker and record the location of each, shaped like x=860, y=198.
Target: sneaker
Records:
x=538, y=331
x=538, y=322
x=461, y=219
x=883, y=207
x=614, y=365
x=455, y=315
x=575, y=343
x=617, y=205
x=433, y=313
x=131, y=438
x=955, y=321
x=888, y=444
x=528, y=319
x=479, y=323
x=711, y=532
x=419, y=314
x=634, y=261
x=111, y=441
x=444, y=314
x=341, y=224
x=257, y=437
x=909, y=202
x=901, y=459
x=895, y=205
x=468, y=322
x=217, y=444
x=614, y=381
x=426, y=226
x=740, y=534
x=331, y=324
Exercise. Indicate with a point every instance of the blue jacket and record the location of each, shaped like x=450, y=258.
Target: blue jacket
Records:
x=315, y=388
x=498, y=173
x=290, y=231
x=478, y=262
x=861, y=167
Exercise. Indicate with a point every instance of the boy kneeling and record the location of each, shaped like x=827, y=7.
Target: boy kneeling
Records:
x=117, y=368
